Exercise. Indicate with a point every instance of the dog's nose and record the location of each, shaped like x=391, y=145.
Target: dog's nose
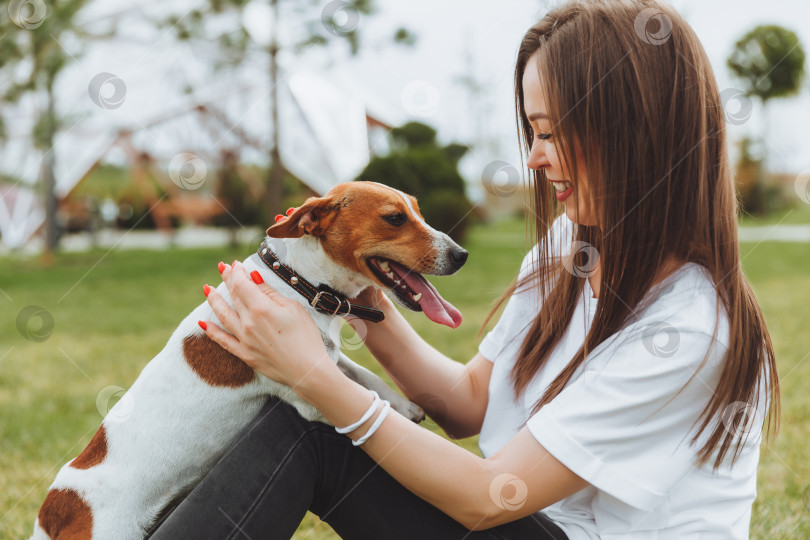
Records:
x=459, y=256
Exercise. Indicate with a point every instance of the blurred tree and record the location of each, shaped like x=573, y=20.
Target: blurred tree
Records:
x=336, y=21
x=235, y=196
x=746, y=172
x=769, y=60
x=419, y=166
x=413, y=135
x=31, y=59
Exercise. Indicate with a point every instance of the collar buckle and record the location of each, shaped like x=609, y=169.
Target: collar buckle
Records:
x=334, y=298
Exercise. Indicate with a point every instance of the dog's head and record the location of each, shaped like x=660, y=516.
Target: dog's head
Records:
x=378, y=232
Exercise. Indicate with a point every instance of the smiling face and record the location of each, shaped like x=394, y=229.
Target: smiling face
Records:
x=545, y=151
x=378, y=232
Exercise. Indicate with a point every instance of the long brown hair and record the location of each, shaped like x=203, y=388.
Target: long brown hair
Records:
x=632, y=78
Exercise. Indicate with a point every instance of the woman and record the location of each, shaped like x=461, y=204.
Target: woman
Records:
x=622, y=392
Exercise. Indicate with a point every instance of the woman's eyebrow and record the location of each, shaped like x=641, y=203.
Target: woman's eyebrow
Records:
x=536, y=115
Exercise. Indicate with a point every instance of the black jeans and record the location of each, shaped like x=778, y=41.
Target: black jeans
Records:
x=282, y=465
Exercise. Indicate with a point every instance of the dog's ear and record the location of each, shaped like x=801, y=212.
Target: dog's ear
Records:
x=313, y=218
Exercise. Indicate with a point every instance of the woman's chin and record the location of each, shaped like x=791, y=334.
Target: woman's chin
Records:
x=580, y=218
x=573, y=215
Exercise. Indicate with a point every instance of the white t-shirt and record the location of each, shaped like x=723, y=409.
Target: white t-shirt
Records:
x=624, y=421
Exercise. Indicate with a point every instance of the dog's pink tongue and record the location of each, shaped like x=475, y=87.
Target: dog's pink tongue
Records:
x=435, y=307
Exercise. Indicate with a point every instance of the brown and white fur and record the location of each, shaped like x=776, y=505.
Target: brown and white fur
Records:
x=192, y=400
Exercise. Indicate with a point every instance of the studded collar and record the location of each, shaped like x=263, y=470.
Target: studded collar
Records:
x=322, y=298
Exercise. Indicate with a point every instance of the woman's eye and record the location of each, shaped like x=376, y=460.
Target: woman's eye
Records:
x=544, y=136
x=396, y=219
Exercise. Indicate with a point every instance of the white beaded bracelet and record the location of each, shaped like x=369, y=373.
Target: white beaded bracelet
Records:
x=368, y=414
x=375, y=425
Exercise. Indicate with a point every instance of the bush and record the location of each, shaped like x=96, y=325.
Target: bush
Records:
x=429, y=172
x=449, y=212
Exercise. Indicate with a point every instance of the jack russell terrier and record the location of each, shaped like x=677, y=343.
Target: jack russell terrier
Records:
x=192, y=400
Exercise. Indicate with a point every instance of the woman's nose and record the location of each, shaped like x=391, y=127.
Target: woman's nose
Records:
x=537, y=158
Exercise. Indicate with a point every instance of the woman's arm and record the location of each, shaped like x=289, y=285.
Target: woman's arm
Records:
x=478, y=493
x=276, y=336
x=455, y=395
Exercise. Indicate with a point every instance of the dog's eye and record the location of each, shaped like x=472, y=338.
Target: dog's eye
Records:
x=396, y=220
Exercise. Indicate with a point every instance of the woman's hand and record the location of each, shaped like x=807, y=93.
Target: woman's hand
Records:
x=270, y=332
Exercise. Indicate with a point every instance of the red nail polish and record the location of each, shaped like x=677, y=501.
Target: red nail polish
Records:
x=203, y=324
x=206, y=289
x=221, y=267
x=290, y=210
x=234, y=263
x=279, y=217
x=256, y=277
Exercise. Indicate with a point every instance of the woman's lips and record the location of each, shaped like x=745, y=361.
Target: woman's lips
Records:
x=562, y=194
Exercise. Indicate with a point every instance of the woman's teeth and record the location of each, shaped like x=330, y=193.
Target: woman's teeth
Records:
x=561, y=186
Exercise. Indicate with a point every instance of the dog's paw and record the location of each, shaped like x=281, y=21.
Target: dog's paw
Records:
x=406, y=408
x=414, y=413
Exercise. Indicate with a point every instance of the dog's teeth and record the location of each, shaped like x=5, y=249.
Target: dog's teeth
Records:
x=384, y=266
x=417, y=297
x=390, y=275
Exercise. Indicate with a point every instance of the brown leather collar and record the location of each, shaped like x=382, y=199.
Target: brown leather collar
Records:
x=323, y=298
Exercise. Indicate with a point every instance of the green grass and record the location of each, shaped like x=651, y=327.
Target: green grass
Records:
x=112, y=314
x=798, y=214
